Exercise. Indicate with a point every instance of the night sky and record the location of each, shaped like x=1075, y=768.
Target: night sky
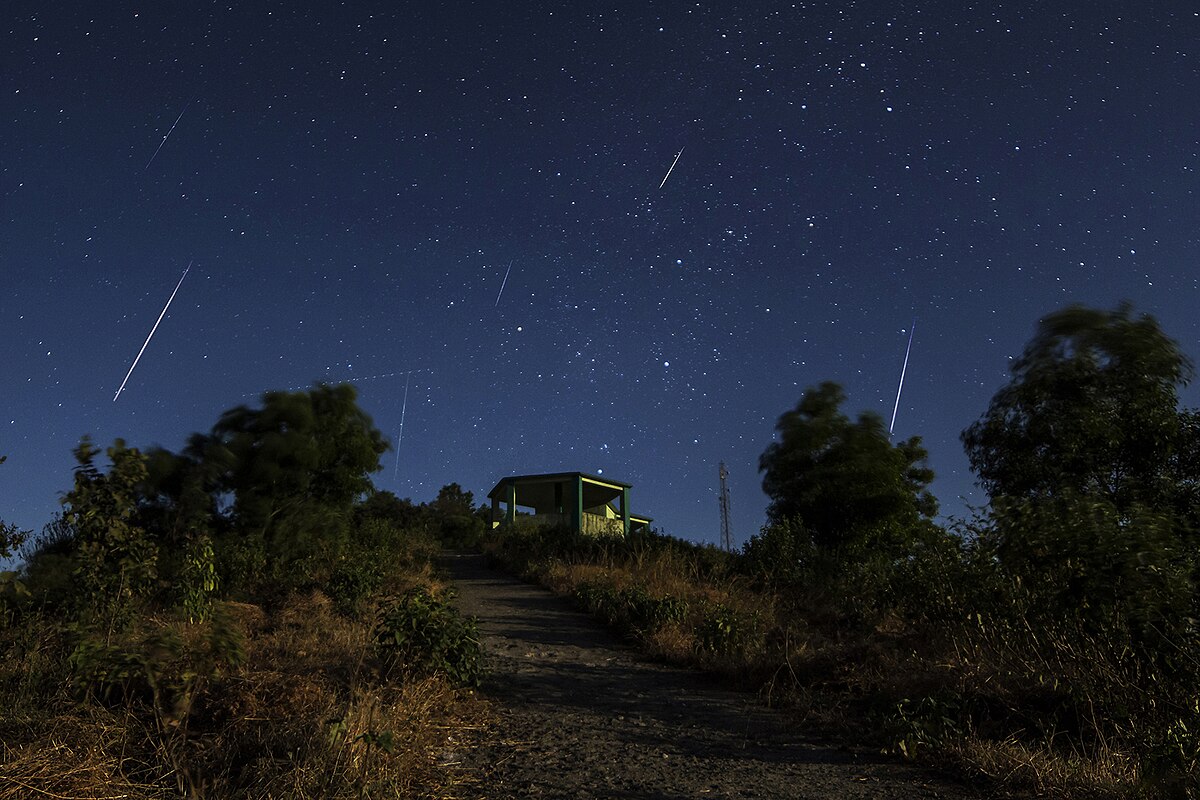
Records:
x=351, y=182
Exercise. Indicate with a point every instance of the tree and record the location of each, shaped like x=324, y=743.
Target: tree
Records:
x=293, y=467
x=11, y=539
x=456, y=521
x=1092, y=471
x=845, y=481
x=117, y=560
x=1092, y=408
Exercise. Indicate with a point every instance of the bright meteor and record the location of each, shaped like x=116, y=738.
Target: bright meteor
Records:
x=673, y=163
x=152, y=330
x=164, y=139
x=504, y=282
x=903, y=369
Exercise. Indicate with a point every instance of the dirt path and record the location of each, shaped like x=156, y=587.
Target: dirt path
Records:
x=581, y=715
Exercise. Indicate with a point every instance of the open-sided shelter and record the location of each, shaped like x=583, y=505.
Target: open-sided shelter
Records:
x=584, y=503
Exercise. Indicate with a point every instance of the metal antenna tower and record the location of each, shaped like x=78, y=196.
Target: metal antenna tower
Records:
x=726, y=536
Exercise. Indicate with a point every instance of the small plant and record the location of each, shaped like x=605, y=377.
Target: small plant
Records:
x=646, y=614
x=12, y=590
x=1173, y=761
x=108, y=670
x=917, y=724
x=198, y=579
x=351, y=582
x=722, y=630
x=632, y=609
x=421, y=634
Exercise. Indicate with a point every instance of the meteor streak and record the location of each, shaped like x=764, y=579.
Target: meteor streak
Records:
x=164, y=139
x=152, y=330
x=400, y=435
x=503, y=283
x=673, y=163
x=903, y=369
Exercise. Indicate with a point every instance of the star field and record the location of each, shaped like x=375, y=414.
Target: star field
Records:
x=352, y=182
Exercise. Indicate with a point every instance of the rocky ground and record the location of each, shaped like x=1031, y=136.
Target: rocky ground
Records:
x=578, y=714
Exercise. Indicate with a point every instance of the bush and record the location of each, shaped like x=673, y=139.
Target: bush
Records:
x=351, y=582
x=423, y=635
x=632, y=609
x=724, y=631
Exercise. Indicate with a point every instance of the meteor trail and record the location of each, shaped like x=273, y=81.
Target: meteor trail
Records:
x=673, y=163
x=903, y=369
x=400, y=436
x=164, y=139
x=503, y=282
x=152, y=330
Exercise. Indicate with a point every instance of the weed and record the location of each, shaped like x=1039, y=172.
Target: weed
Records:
x=424, y=635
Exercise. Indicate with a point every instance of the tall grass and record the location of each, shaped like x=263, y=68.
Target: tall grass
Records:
x=287, y=696
x=934, y=659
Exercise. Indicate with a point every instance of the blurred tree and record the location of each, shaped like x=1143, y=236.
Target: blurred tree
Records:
x=456, y=521
x=451, y=499
x=11, y=539
x=1092, y=471
x=116, y=559
x=845, y=481
x=385, y=506
x=294, y=467
x=1092, y=407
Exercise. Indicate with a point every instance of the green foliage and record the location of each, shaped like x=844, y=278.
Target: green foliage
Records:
x=49, y=565
x=632, y=608
x=723, y=630
x=12, y=589
x=156, y=668
x=780, y=554
x=385, y=507
x=845, y=480
x=108, y=670
x=353, y=581
x=378, y=740
x=918, y=723
x=456, y=522
x=1172, y=762
x=117, y=560
x=294, y=469
x=1081, y=556
x=421, y=634
x=198, y=580
x=1092, y=408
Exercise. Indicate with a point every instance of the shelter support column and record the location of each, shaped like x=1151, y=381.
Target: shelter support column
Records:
x=577, y=506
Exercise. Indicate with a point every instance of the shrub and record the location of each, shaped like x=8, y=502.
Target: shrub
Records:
x=724, y=631
x=351, y=582
x=424, y=635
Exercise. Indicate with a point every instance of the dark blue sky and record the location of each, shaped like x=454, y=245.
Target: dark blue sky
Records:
x=352, y=181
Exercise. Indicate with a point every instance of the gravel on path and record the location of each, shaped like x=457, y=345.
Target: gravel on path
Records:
x=579, y=714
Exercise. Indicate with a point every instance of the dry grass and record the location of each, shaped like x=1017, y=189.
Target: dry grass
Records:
x=1037, y=770
x=307, y=715
x=888, y=682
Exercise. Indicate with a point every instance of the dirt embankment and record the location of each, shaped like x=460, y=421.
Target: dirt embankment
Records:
x=579, y=714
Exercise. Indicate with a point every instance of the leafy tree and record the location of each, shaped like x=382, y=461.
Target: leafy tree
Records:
x=117, y=560
x=384, y=506
x=1092, y=408
x=846, y=482
x=451, y=499
x=455, y=519
x=295, y=466
x=1078, y=557
x=11, y=539
x=1092, y=471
